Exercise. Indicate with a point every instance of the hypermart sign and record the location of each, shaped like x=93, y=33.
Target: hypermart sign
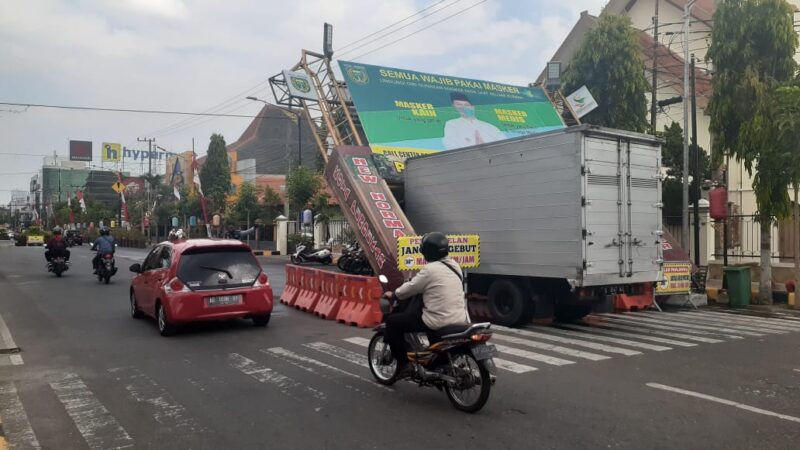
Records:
x=136, y=155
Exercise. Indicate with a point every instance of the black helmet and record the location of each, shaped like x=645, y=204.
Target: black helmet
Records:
x=104, y=231
x=434, y=246
x=57, y=230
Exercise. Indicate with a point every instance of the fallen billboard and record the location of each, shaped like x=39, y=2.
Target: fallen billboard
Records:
x=406, y=113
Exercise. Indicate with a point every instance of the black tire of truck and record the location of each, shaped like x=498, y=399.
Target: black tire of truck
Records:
x=571, y=313
x=509, y=305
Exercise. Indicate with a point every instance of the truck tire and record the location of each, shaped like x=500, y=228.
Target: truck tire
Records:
x=508, y=304
x=571, y=313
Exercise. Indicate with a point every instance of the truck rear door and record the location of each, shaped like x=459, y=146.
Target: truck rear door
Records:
x=621, y=212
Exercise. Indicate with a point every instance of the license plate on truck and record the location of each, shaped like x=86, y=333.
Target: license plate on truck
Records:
x=223, y=300
x=484, y=351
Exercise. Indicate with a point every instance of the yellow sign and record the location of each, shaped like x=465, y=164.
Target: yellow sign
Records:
x=36, y=239
x=465, y=249
x=111, y=152
x=676, y=278
x=118, y=187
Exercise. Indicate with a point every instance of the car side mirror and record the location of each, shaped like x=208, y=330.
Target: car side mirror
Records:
x=136, y=268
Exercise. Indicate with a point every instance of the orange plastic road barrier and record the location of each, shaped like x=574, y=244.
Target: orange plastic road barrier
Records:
x=292, y=286
x=361, y=302
x=331, y=286
x=309, y=290
x=625, y=302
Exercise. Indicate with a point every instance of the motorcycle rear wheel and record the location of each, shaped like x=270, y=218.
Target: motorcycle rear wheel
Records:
x=385, y=374
x=342, y=262
x=474, y=383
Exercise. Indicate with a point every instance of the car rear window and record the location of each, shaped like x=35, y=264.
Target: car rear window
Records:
x=218, y=268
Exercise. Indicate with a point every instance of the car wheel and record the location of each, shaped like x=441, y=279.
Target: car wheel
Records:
x=261, y=320
x=164, y=326
x=136, y=313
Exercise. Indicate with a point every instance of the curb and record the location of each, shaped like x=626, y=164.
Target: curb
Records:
x=7, y=344
x=266, y=253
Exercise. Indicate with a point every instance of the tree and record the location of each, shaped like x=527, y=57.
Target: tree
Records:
x=246, y=204
x=608, y=62
x=270, y=201
x=752, y=47
x=301, y=186
x=672, y=159
x=215, y=175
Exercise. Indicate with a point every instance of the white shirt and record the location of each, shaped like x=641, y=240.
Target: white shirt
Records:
x=461, y=132
x=442, y=294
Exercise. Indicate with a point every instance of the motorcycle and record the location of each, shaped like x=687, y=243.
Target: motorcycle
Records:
x=455, y=359
x=106, y=267
x=304, y=253
x=58, y=265
x=347, y=253
x=354, y=261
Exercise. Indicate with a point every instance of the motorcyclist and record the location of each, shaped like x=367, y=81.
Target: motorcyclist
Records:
x=440, y=283
x=56, y=246
x=104, y=244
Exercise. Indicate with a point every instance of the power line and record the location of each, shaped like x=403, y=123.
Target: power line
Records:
x=398, y=29
x=420, y=30
x=138, y=111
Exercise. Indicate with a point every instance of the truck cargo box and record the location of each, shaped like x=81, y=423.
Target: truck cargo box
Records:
x=581, y=204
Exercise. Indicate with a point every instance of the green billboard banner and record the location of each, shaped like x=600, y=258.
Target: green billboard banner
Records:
x=406, y=113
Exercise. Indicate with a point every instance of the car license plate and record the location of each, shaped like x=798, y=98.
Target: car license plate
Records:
x=484, y=351
x=223, y=300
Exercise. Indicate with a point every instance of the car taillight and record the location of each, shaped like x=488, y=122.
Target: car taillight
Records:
x=175, y=285
x=262, y=280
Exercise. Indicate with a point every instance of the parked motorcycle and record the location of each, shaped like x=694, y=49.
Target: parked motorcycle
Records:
x=304, y=253
x=347, y=253
x=106, y=268
x=354, y=261
x=455, y=359
x=58, y=265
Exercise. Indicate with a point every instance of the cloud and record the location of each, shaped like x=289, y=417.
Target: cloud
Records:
x=181, y=55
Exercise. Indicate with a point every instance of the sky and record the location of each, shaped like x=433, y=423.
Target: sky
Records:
x=207, y=55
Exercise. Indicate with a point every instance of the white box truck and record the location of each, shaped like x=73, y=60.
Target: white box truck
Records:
x=568, y=220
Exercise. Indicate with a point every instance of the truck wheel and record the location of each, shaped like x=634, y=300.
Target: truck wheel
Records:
x=571, y=313
x=508, y=304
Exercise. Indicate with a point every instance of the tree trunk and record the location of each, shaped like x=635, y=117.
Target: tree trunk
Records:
x=765, y=284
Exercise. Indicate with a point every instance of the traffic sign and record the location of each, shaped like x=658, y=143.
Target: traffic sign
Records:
x=118, y=187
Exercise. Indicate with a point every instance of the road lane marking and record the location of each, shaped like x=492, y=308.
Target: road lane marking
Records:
x=552, y=360
x=16, y=426
x=772, y=322
x=587, y=334
x=674, y=327
x=338, y=352
x=144, y=389
x=723, y=401
x=756, y=326
x=550, y=347
x=563, y=340
x=266, y=375
x=98, y=427
x=785, y=320
x=682, y=318
x=604, y=331
x=670, y=321
x=305, y=362
x=11, y=360
x=7, y=344
x=499, y=362
x=651, y=329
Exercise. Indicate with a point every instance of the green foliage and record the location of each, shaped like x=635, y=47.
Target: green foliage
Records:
x=215, y=175
x=302, y=185
x=608, y=62
x=270, y=205
x=672, y=160
x=246, y=204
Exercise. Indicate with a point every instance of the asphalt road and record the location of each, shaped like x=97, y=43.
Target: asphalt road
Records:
x=90, y=376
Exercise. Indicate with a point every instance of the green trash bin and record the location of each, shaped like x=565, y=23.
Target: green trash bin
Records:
x=738, y=281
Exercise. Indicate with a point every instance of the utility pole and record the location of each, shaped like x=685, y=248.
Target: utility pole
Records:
x=697, y=174
x=655, y=71
x=149, y=153
x=685, y=236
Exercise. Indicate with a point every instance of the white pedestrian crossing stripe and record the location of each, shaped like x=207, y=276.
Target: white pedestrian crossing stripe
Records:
x=266, y=375
x=16, y=426
x=98, y=427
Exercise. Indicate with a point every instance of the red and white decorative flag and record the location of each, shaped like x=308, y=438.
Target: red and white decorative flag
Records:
x=79, y=196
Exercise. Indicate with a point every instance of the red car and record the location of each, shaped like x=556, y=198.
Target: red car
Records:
x=198, y=280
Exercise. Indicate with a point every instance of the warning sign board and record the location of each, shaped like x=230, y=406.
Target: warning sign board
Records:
x=118, y=187
x=465, y=249
x=676, y=279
